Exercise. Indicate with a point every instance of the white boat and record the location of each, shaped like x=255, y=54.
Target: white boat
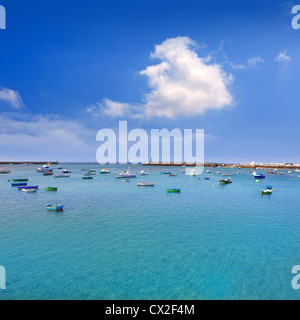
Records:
x=45, y=168
x=29, y=190
x=193, y=173
x=104, y=171
x=297, y=170
x=144, y=173
x=126, y=174
x=208, y=171
x=4, y=171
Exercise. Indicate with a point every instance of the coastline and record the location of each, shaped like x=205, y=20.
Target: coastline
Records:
x=208, y=165
x=228, y=165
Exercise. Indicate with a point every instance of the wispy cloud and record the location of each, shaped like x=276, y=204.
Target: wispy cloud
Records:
x=44, y=136
x=283, y=57
x=251, y=63
x=12, y=97
x=182, y=84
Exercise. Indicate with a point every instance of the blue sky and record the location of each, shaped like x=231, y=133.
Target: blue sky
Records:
x=69, y=69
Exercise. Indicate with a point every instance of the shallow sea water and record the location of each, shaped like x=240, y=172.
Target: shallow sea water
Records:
x=115, y=240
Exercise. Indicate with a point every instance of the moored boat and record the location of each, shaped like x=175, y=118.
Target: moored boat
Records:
x=4, y=171
x=66, y=171
x=87, y=178
x=51, y=189
x=20, y=180
x=19, y=184
x=28, y=187
x=44, y=168
x=173, y=191
x=269, y=190
x=104, y=171
x=172, y=175
x=144, y=173
x=48, y=173
x=145, y=184
x=62, y=176
x=29, y=190
x=166, y=172
x=256, y=175
x=55, y=207
x=127, y=174
x=225, y=181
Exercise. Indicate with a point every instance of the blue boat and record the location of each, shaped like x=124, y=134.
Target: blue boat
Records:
x=259, y=176
x=55, y=207
x=19, y=184
x=28, y=187
x=166, y=173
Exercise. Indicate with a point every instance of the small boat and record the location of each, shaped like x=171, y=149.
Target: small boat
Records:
x=87, y=178
x=29, y=190
x=256, y=175
x=59, y=168
x=206, y=178
x=297, y=170
x=144, y=173
x=269, y=190
x=218, y=172
x=125, y=180
x=225, y=181
x=226, y=175
x=182, y=171
x=145, y=184
x=193, y=173
x=62, y=176
x=20, y=180
x=4, y=171
x=258, y=181
x=172, y=175
x=48, y=173
x=29, y=187
x=127, y=174
x=51, y=189
x=173, y=190
x=55, y=207
x=290, y=172
x=93, y=171
x=166, y=172
x=104, y=171
x=19, y=184
x=266, y=192
x=66, y=171
x=44, y=168
x=208, y=171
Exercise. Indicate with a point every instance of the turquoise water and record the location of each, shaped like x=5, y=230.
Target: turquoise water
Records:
x=115, y=240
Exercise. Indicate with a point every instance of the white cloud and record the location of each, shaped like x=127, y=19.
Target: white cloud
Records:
x=251, y=63
x=110, y=108
x=182, y=84
x=12, y=97
x=283, y=57
x=254, y=61
x=44, y=137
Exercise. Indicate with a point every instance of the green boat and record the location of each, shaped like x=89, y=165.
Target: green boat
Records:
x=87, y=178
x=225, y=181
x=20, y=180
x=173, y=190
x=50, y=189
